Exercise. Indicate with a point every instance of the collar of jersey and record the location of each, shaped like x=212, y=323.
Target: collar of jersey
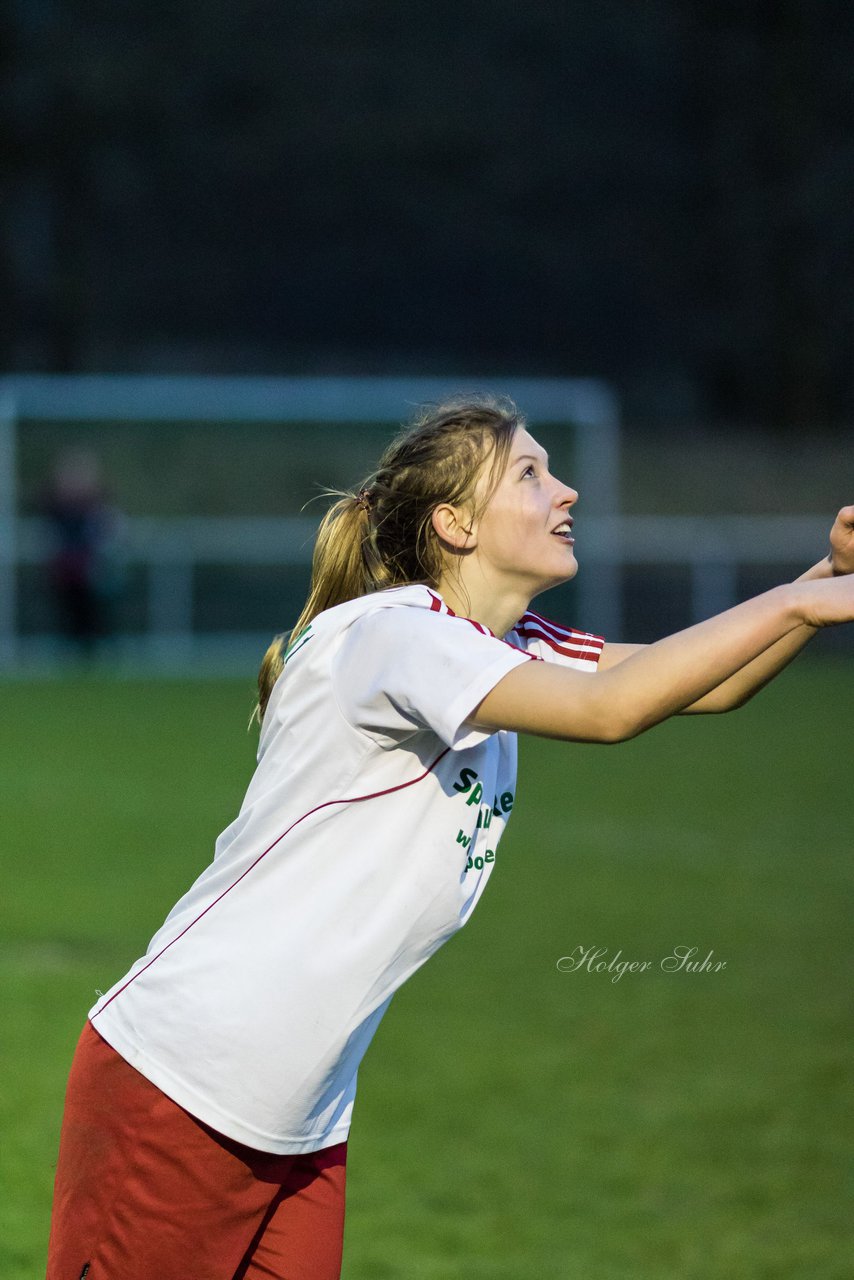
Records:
x=475, y=621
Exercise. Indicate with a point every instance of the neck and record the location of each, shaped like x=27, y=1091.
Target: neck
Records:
x=499, y=610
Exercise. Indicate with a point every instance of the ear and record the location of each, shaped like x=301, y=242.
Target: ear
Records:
x=454, y=527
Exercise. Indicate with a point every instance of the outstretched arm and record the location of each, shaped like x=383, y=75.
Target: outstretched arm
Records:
x=663, y=679
x=741, y=687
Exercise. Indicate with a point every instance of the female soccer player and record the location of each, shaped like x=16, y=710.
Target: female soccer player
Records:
x=210, y=1097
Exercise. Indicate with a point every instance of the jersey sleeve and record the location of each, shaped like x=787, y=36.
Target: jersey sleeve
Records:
x=553, y=642
x=401, y=670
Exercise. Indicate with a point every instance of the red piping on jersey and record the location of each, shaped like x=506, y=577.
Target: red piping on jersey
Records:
x=559, y=632
x=437, y=605
x=352, y=800
x=588, y=655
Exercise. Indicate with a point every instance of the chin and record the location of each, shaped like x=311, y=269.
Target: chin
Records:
x=556, y=580
x=569, y=572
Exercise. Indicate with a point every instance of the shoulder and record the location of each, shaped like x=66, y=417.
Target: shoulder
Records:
x=415, y=607
x=395, y=602
x=426, y=638
x=415, y=596
x=407, y=663
x=418, y=612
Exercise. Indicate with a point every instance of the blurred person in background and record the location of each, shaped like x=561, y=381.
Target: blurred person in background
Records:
x=85, y=532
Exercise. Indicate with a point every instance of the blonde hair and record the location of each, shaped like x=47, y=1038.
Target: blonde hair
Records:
x=382, y=535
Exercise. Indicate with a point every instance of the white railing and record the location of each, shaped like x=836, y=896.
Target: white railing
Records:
x=171, y=550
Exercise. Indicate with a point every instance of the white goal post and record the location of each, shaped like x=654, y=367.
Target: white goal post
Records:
x=171, y=548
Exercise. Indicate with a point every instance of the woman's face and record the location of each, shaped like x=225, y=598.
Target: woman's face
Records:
x=523, y=537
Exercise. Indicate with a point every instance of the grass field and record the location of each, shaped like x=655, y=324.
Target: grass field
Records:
x=514, y=1122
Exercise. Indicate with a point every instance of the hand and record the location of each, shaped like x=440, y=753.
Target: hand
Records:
x=842, y=542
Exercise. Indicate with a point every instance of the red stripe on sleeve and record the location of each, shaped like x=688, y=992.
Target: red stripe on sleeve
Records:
x=560, y=632
x=585, y=654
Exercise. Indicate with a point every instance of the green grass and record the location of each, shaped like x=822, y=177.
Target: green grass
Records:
x=513, y=1121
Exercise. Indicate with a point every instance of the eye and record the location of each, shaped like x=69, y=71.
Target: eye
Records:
x=529, y=470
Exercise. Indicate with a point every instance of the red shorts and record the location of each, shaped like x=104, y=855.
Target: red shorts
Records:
x=144, y=1190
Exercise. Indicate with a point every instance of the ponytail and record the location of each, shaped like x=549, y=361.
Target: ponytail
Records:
x=339, y=572
x=272, y=665
x=338, y=567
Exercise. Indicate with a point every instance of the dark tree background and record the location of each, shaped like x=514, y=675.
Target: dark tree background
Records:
x=659, y=193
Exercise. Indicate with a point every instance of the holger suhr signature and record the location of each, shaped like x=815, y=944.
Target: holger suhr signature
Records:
x=595, y=960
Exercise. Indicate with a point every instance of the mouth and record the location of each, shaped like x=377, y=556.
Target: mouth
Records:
x=564, y=532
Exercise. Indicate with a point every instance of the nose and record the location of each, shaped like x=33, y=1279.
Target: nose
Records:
x=566, y=496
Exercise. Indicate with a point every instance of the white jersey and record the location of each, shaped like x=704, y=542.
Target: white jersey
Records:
x=367, y=835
